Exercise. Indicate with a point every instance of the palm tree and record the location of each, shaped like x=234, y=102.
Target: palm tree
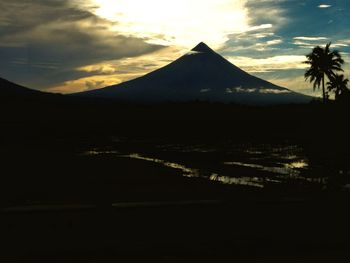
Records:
x=323, y=62
x=338, y=84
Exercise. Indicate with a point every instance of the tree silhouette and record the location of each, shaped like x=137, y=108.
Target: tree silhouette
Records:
x=323, y=62
x=338, y=85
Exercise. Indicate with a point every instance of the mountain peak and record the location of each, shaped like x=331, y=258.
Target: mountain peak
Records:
x=202, y=47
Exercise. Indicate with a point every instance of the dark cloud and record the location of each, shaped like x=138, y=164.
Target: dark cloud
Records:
x=43, y=42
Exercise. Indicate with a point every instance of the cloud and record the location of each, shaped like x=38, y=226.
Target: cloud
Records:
x=262, y=90
x=117, y=71
x=324, y=6
x=274, y=91
x=91, y=85
x=274, y=42
x=44, y=43
x=266, y=12
x=276, y=63
x=310, y=38
x=259, y=27
x=264, y=18
x=297, y=83
x=182, y=22
x=310, y=43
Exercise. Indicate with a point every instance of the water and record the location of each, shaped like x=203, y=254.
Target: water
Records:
x=253, y=165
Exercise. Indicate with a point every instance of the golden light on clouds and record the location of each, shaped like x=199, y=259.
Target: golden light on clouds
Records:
x=82, y=84
x=254, y=65
x=182, y=22
x=113, y=72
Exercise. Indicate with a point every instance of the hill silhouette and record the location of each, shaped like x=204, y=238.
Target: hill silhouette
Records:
x=10, y=89
x=202, y=75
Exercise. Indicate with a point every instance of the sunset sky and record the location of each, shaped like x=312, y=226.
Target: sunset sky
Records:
x=76, y=45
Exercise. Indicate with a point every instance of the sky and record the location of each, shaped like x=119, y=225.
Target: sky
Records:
x=70, y=46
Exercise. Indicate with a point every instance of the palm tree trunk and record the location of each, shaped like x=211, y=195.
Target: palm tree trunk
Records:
x=337, y=94
x=323, y=91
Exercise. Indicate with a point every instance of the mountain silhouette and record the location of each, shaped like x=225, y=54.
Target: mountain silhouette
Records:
x=203, y=75
x=10, y=89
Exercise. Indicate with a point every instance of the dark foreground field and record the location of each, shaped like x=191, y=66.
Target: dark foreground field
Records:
x=98, y=181
x=240, y=232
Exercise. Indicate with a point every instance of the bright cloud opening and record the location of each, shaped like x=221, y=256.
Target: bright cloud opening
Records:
x=182, y=22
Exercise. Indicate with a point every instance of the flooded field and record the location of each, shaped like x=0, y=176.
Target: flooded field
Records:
x=252, y=165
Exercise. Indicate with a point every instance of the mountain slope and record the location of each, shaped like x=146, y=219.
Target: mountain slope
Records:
x=201, y=74
x=10, y=89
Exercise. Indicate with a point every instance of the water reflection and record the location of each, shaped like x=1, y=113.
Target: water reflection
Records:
x=247, y=181
x=188, y=172
x=292, y=168
x=99, y=152
x=198, y=148
x=191, y=173
x=245, y=164
x=301, y=164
